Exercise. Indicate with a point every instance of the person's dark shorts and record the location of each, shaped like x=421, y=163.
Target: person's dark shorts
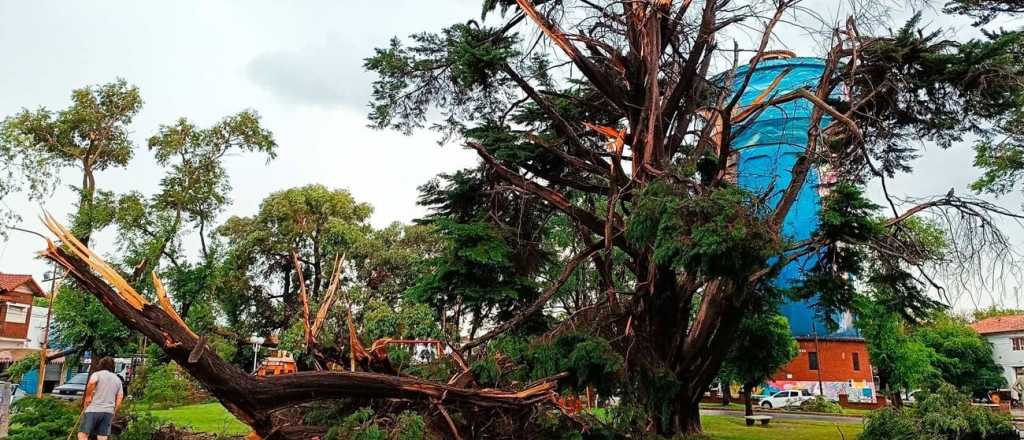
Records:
x=96, y=423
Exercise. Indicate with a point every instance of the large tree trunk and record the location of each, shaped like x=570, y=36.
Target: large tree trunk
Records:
x=689, y=419
x=748, y=403
x=726, y=392
x=713, y=329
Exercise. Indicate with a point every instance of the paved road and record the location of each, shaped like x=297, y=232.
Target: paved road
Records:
x=785, y=415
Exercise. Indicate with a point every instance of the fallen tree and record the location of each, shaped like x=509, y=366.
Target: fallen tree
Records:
x=253, y=399
x=619, y=129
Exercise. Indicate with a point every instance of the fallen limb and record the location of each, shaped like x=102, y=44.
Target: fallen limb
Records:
x=254, y=399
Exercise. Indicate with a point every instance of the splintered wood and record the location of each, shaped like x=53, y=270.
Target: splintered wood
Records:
x=94, y=261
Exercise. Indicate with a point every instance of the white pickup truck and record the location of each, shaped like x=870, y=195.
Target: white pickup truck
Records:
x=788, y=398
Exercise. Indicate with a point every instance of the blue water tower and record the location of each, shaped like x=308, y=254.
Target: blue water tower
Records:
x=768, y=148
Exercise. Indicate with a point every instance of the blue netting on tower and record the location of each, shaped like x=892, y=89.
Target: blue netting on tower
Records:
x=768, y=149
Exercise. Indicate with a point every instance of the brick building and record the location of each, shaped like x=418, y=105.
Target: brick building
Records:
x=842, y=365
x=17, y=293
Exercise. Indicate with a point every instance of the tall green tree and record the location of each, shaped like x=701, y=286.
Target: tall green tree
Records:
x=317, y=223
x=901, y=362
x=764, y=344
x=91, y=135
x=621, y=128
x=618, y=126
x=962, y=356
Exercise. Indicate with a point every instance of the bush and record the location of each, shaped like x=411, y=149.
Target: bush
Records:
x=362, y=425
x=140, y=426
x=42, y=419
x=165, y=386
x=822, y=405
x=944, y=414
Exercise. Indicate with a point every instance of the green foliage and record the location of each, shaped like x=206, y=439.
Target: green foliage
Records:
x=848, y=221
x=257, y=288
x=18, y=369
x=930, y=88
x=591, y=361
x=984, y=11
x=141, y=425
x=167, y=386
x=763, y=344
x=410, y=321
x=962, y=356
x=486, y=372
x=475, y=268
x=392, y=259
x=945, y=414
x=901, y=362
x=994, y=311
x=719, y=234
x=363, y=425
x=454, y=71
x=197, y=183
x=81, y=321
x=822, y=405
x=659, y=390
x=42, y=419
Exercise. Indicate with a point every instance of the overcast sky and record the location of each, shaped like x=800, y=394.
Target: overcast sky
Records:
x=299, y=64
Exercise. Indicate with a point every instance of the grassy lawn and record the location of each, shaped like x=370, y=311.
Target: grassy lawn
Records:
x=739, y=407
x=205, y=417
x=213, y=418
x=734, y=428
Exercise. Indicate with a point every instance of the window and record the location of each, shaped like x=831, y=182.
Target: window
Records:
x=805, y=393
x=812, y=360
x=1018, y=343
x=17, y=313
x=856, y=362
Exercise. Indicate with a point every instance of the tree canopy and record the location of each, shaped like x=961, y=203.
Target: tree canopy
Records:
x=606, y=244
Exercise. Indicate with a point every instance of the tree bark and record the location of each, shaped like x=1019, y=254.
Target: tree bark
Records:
x=748, y=403
x=726, y=393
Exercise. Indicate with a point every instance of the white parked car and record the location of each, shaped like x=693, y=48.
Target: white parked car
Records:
x=788, y=398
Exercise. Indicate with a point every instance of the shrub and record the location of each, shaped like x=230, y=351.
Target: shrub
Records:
x=362, y=425
x=167, y=386
x=42, y=419
x=822, y=405
x=944, y=414
x=140, y=426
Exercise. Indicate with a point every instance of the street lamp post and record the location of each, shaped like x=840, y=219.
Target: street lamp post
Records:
x=44, y=348
x=256, y=342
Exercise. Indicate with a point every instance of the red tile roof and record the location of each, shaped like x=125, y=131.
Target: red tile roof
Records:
x=999, y=324
x=12, y=281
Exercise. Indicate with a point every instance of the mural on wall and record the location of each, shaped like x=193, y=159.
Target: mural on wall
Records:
x=858, y=391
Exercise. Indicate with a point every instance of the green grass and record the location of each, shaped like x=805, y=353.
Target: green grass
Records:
x=739, y=407
x=210, y=418
x=734, y=428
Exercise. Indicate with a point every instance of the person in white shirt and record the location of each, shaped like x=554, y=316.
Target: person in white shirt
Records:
x=103, y=396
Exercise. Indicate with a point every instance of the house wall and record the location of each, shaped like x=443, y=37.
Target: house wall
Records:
x=1006, y=357
x=16, y=330
x=37, y=328
x=835, y=364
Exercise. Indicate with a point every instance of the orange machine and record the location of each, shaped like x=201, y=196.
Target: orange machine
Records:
x=280, y=362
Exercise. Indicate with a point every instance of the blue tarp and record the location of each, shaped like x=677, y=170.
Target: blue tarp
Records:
x=768, y=148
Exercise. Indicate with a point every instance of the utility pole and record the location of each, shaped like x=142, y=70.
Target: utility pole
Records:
x=817, y=351
x=44, y=349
